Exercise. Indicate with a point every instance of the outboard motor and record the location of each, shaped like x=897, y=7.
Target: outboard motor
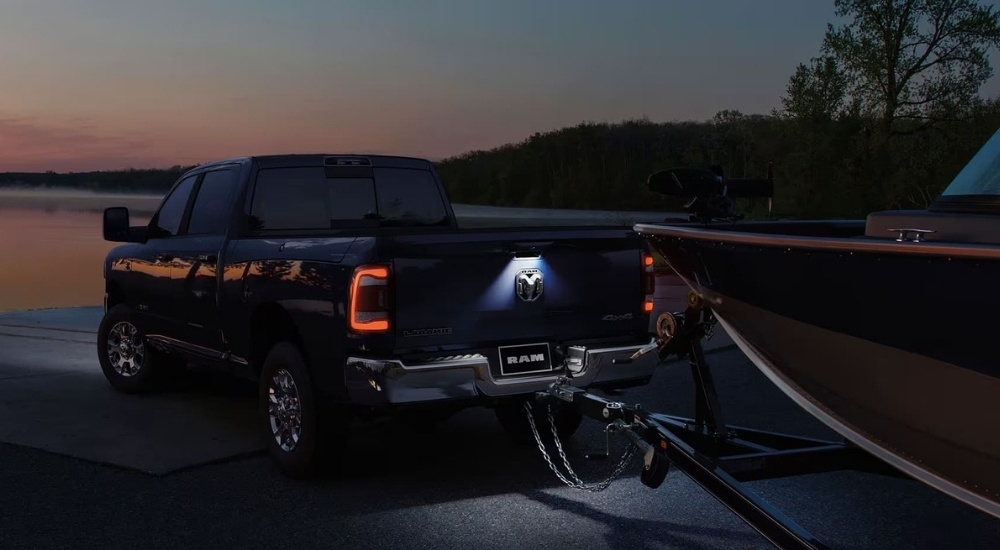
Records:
x=710, y=192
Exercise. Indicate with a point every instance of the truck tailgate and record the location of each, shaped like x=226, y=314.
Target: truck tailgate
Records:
x=498, y=287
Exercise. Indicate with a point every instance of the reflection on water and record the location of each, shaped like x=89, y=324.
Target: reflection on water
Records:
x=51, y=258
x=55, y=258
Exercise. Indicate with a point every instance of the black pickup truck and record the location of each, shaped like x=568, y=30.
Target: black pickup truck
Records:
x=345, y=287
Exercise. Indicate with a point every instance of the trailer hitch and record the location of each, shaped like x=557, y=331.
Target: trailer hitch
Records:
x=718, y=457
x=573, y=480
x=655, y=462
x=676, y=334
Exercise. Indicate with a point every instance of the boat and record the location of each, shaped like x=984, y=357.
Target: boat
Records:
x=882, y=328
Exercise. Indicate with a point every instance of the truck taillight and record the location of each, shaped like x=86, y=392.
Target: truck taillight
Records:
x=370, y=301
x=648, y=283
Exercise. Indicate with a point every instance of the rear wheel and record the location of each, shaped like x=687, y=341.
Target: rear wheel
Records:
x=290, y=413
x=514, y=420
x=127, y=361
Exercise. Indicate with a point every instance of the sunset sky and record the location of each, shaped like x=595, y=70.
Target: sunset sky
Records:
x=106, y=84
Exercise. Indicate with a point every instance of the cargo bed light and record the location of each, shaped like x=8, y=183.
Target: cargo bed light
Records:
x=369, y=305
x=527, y=251
x=530, y=254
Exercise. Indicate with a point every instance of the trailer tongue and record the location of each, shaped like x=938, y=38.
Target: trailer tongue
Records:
x=716, y=455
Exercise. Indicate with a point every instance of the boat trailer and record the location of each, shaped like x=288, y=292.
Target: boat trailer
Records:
x=717, y=456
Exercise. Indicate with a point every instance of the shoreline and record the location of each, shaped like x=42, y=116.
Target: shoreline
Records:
x=65, y=199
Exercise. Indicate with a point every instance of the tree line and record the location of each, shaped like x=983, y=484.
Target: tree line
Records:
x=884, y=116
x=132, y=180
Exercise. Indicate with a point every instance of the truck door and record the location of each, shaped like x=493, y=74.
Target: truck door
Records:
x=147, y=283
x=195, y=271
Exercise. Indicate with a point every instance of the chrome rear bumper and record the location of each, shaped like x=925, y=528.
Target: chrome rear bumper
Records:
x=372, y=381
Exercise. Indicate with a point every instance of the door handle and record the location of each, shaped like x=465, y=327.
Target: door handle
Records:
x=207, y=258
x=165, y=257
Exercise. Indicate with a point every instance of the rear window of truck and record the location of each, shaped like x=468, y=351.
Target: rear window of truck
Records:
x=305, y=199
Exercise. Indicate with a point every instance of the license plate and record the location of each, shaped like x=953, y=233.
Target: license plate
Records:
x=525, y=359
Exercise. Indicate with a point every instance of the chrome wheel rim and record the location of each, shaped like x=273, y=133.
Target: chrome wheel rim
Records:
x=284, y=410
x=125, y=351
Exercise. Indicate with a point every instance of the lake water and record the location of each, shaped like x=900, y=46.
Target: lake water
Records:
x=50, y=259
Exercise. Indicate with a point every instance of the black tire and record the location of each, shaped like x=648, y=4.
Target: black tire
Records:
x=129, y=363
x=657, y=471
x=514, y=420
x=303, y=456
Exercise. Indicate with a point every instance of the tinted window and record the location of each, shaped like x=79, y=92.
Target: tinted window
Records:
x=168, y=220
x=409, y=195
x=213, y=205
x=304, y=198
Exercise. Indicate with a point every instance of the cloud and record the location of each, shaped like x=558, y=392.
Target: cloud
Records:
x=72, y=143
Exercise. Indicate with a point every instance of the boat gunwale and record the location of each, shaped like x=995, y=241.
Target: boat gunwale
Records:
x=838, y=244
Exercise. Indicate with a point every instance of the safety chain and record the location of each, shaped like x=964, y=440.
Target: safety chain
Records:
x=576, y=483
x=710, y=329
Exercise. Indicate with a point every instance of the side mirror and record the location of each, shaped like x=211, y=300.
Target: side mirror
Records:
x=685, y=182
x=116, y=224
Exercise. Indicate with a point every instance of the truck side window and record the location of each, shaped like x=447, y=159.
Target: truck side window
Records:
x=410, y=195
x=213, y=205
x=304, y=198
x=167, y=222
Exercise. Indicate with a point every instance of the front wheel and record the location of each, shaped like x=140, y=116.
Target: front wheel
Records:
x=127, y=361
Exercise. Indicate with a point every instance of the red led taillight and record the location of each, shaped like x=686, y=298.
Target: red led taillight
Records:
x=370, y=302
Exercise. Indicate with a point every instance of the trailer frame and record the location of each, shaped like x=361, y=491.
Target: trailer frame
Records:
x=719, y=457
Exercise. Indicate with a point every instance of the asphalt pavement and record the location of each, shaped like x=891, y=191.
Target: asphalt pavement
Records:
x=82, y=467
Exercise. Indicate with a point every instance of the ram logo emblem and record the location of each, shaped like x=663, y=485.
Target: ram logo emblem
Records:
x=528, y=284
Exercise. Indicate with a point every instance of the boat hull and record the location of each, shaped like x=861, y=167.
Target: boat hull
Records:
x=889, y=344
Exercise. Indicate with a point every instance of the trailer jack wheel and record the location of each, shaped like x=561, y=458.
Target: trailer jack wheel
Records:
x=655, y=470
